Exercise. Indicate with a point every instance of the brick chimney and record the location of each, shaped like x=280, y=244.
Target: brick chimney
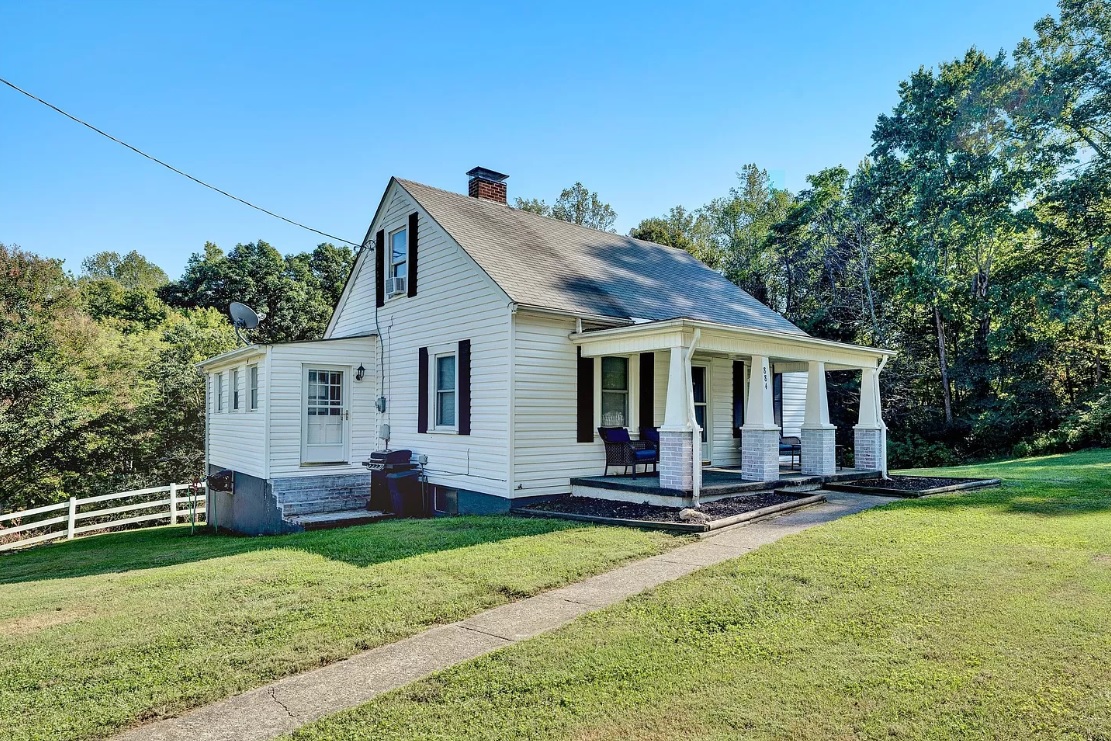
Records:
x=487, y=184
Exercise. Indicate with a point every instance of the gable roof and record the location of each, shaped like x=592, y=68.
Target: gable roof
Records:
x=552, y=264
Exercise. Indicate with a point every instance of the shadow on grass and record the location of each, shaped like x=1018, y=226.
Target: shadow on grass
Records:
x=365, y=545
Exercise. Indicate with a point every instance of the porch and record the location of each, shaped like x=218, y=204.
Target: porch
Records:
x=701, y=455
x=717, y=483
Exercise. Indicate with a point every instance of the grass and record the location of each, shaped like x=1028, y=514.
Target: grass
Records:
x=99, y=634
x=977, y=615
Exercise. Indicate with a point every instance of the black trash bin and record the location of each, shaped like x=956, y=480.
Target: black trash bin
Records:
x=407, y=494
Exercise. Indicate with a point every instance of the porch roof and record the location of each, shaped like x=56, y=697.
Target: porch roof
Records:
x=782, y=347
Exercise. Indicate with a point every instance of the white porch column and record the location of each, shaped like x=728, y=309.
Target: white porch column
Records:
x=760, y=433
x=870, y=433
x=677, y=431
x=819, y=437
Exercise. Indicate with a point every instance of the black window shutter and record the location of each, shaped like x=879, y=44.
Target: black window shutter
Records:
x=585, y=401
x=422, y=390
x=777, y=398
x=738, y=396
x=413, y=252
x=380, y=268
x=647, y=389
x=463, y=361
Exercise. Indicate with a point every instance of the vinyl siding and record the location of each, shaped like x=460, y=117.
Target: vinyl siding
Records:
x=285, y=383
x=546, y=455
x=236, y=439
x=455, y=301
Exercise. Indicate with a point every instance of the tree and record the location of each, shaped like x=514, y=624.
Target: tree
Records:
x=577, y=205
x=295, y=295
x=679, y=228
x=132, y=271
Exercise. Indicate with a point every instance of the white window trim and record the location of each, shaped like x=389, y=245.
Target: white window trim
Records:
x=434, y=353
x=257, y=388
x=633, y=411
x=218, y=392
x=233, y=391
x=390, y=264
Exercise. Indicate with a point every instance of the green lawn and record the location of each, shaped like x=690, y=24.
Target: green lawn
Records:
x=100, y=633
x=983, y=615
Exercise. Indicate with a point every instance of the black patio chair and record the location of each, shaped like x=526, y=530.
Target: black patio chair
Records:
x=621, y=450
x=791, y=446
x=652, y=436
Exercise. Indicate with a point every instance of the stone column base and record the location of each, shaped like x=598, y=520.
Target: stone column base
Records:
x=677, y=459
x=868, y=448
x=759, y=454
x=819, y=451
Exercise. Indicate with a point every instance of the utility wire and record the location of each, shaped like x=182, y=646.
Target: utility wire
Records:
x=174, y=169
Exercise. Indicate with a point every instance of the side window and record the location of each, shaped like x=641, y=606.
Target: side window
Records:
x=252, y=380
x=235, y=390
x=445, y=387
x=218, y=391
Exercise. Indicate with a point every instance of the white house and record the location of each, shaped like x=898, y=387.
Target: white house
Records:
x=494, y=343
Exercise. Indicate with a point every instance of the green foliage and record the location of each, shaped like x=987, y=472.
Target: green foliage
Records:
x=295, y=294
x=132, y=271
x=576, y=204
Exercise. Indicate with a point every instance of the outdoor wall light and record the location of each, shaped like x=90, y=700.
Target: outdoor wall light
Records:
x=360, y=372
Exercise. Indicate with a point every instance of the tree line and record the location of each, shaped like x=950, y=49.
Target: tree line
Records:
x=99, y=389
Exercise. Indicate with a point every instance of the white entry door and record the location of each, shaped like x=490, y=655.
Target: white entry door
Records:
x=324, y=427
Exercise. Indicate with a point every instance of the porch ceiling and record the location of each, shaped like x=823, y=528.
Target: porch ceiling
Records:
x=783, y=348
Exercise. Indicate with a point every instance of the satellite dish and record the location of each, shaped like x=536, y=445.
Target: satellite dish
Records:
x=242, y=317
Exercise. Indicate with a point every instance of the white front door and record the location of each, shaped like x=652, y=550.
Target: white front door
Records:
x=324, y=415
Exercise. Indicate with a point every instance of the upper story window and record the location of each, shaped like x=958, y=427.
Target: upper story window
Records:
x=615, y=392
x=398, y=266
x=252, y=381
x=218, y=391
x=235, y=389
x=444, y=384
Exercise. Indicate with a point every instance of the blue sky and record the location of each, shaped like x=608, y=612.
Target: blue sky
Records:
x=307, y=109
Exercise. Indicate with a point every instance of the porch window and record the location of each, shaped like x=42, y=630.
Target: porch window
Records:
x=235, y=390
x=445, y=384
x=615, y=392
x=252, y=380
x=218, y=391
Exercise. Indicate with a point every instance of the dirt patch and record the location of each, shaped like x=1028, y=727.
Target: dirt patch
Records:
x=1102, y=559
x=715, y=510
x=28, y=624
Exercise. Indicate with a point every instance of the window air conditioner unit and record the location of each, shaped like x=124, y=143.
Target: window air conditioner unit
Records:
x=395, y=286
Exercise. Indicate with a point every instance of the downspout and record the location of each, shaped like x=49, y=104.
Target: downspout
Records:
x=883, y=425
x=696, y=431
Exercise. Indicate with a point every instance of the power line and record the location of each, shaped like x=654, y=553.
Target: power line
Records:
x=174, y=169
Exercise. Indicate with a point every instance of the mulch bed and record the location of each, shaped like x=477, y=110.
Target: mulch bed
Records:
x=715, y=510
x=910, y=486
x=913, y=483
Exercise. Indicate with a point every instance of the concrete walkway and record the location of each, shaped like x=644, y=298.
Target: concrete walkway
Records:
x=290, y=703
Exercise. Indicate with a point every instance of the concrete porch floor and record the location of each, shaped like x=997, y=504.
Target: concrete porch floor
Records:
x=717, y=483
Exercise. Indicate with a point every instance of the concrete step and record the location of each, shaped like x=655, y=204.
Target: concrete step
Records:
x=317, y=506
x=342, y=518
x=797, y=488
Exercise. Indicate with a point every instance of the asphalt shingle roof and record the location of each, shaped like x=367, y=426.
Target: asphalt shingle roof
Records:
x=548, y=263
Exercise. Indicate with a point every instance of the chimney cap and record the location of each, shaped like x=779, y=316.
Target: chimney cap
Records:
x=483, y=173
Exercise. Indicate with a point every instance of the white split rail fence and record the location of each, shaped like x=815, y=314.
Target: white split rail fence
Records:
x=167, y=508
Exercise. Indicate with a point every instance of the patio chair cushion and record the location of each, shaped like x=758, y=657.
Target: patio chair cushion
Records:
x=647, y=454
x=651, y=434
x=614, y=434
